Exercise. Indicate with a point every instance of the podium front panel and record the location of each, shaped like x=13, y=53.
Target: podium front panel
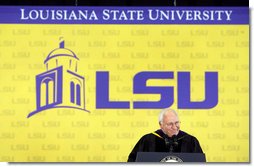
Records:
x=170, y=157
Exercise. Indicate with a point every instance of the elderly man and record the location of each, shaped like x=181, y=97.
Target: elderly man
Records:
x=169, y=138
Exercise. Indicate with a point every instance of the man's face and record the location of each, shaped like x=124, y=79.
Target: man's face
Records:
x=170, y=124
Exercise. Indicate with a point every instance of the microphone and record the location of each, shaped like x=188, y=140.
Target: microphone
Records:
x=167, y=143
x=171, y=144
x=175, y=141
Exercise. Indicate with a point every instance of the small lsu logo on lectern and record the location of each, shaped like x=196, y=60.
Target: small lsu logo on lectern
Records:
x=171, y=159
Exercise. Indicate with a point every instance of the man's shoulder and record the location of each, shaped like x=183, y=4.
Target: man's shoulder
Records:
x=185, y=135
x=148, y=135
x=152, y=135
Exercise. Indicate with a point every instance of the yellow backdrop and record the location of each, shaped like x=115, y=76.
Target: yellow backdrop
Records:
x=108, y=135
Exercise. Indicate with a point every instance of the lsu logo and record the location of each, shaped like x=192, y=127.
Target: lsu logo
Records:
x=166, y=92
x=60, y=80
x=62, y=87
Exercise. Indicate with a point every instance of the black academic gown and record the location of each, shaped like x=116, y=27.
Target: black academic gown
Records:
x=159, y=142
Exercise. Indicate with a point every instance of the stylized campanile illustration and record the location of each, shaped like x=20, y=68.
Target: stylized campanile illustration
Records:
x=60, y=86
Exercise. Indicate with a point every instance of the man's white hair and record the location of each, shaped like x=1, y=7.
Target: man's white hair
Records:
x=164, y=111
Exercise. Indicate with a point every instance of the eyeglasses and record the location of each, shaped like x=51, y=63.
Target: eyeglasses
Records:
x=171, y=124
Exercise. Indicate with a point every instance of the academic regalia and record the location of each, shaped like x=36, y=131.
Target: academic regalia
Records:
x=160, y=142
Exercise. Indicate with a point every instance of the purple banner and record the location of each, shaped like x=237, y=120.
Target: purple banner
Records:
x=123, y=15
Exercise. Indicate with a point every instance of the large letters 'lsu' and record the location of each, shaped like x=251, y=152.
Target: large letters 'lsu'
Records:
x=166, y=92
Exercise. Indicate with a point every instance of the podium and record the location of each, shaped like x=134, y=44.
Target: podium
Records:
x=170, y=157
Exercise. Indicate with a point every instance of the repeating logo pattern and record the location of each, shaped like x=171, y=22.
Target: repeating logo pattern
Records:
x=108, y=135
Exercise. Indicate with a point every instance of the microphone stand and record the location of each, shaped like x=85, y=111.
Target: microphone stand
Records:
x=171, y=144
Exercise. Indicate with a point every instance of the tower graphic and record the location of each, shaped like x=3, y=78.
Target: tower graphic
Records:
x=60, y=86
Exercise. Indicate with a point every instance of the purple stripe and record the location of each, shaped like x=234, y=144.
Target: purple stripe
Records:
x=123, y=15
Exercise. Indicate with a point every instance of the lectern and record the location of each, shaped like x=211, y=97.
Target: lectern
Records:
x=170, y=157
